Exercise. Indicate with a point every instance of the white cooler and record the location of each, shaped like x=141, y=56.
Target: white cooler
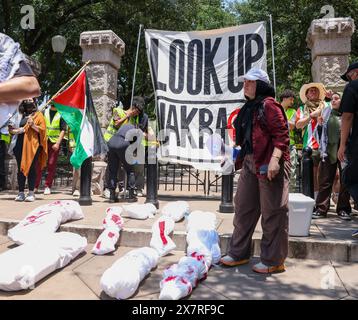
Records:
x=299, y=214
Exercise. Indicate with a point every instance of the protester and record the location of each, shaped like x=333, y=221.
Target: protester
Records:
x=118, y=146
x=348, y=149
x=312, y=96
x=29, y=145
x=136, y=116
x=262, y=132
x=287, y=99
x=55, y=130
x=328, y=141
x=76, y=173
x=17, y=82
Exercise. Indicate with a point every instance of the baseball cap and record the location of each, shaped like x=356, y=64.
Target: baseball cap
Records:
x=255, y=74
x=350, y=68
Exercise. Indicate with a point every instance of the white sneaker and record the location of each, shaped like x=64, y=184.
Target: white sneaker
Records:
x=47, y=191
x=20, y=197
x=76, y=193
x=30, y=198
x=106, y=193
x=139, y=193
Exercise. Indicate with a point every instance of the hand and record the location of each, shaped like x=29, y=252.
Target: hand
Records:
x=315, y=114
x=341, y=153
x=329, y=94
x=30, y=121
x=320, y=120
x=273, y=168
x=56, y=147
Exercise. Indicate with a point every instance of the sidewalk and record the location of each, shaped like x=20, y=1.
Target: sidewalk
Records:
x=330, y=244
x=304, y=279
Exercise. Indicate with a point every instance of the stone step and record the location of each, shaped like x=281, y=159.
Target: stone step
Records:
x=299, y=247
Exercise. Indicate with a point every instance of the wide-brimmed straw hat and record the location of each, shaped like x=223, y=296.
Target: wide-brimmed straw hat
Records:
x=305, y=87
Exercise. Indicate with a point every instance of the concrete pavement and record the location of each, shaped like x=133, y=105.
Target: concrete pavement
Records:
x=325, y=267
x=303, y=279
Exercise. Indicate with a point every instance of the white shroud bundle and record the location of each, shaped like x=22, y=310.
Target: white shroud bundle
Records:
x=45, y=220
x=122, y=279
x=160, y=240
x=176, y=210
x=139, y=211
x=23, y=266
x=113, y=224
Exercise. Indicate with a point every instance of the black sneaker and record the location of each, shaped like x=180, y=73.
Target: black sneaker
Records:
x=113, y=196
x=344, y=215
x=318, y=215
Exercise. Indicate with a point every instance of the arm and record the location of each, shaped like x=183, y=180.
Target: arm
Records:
x=347, y=121
x=19, y=88
x=277, y=126
x=300, y=124
x=56, y=146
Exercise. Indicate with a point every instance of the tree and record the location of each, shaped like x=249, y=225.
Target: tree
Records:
x=291, y=20
x=71, y=17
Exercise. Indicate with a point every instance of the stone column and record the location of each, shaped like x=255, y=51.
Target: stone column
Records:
x=330, y=42
x=105, y=50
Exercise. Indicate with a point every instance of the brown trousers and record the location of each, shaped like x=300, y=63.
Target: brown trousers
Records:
x=255, y=196
x=327, y=173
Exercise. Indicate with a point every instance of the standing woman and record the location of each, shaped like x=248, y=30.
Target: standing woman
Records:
x=29, y=145
x=263, y=186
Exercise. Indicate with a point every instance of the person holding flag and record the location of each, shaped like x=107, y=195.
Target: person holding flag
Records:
x=55, y=128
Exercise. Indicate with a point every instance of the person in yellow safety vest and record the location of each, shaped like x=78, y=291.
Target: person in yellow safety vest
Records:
x=56, y=129
x=136, y=116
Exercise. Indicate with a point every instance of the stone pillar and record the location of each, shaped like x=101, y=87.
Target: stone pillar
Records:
x=330, y=42
x=105, y=50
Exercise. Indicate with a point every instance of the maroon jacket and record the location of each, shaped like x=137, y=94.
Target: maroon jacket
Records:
x=274, y=134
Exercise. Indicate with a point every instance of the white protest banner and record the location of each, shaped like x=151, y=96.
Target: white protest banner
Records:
x=195, y=77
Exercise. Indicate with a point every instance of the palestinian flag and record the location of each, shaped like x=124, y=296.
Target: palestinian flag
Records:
x=76, y=107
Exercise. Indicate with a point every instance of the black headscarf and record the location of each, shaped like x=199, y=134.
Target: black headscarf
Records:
x=244, y=120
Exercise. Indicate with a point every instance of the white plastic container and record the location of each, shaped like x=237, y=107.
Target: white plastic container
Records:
x=300, y=214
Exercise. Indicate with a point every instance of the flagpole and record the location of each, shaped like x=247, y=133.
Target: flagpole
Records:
x=273, y=54
x=65, y=85
x=136, y=61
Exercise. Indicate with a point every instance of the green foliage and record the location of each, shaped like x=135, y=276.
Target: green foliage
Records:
x=291, y=20
x=71, y=17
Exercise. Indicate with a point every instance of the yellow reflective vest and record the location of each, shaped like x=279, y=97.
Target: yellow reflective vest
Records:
x=111, y=129
x=52, y=128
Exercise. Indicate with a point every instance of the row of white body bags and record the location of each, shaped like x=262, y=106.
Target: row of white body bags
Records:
x=45, y=220
x=203, y=250
x=23, y=266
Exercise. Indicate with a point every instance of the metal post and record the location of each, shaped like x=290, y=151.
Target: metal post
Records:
x=136, y=62
x=227, y=189
x=273, y=54
x=57, y=76
x=307, y=173
x=85, y=186
x=152, y=177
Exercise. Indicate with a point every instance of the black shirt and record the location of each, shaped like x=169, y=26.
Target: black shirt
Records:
x=349, y=104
